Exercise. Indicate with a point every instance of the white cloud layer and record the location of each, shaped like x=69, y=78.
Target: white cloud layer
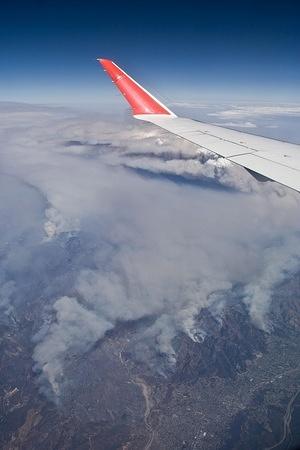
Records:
x=241, y=111
x=148, y=246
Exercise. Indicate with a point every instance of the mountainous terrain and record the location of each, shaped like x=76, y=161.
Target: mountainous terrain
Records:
x=236, y=388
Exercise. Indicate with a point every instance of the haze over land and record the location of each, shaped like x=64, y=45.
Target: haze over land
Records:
x=110, y=224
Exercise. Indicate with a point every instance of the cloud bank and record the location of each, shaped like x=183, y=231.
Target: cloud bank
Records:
x=95, y=232
x=241, y=111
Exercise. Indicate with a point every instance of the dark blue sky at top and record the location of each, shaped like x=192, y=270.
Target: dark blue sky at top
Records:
x=186, y=51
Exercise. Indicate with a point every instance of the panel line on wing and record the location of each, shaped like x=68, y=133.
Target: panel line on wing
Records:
x=257, y=155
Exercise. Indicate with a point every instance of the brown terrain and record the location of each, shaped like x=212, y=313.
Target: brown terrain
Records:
x=237, y=389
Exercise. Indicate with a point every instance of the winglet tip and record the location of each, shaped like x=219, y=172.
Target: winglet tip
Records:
x=104, y=61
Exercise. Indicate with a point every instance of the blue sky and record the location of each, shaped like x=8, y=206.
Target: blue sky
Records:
x=185, y=51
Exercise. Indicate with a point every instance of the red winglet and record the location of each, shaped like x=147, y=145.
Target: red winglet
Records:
x=141, y=101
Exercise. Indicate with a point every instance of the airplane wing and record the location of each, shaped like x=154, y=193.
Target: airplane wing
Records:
x=272, y=159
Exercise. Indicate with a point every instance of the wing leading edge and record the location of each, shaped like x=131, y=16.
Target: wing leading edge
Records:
x=279, y=161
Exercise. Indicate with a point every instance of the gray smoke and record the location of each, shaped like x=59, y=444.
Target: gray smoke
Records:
x=90, y=240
